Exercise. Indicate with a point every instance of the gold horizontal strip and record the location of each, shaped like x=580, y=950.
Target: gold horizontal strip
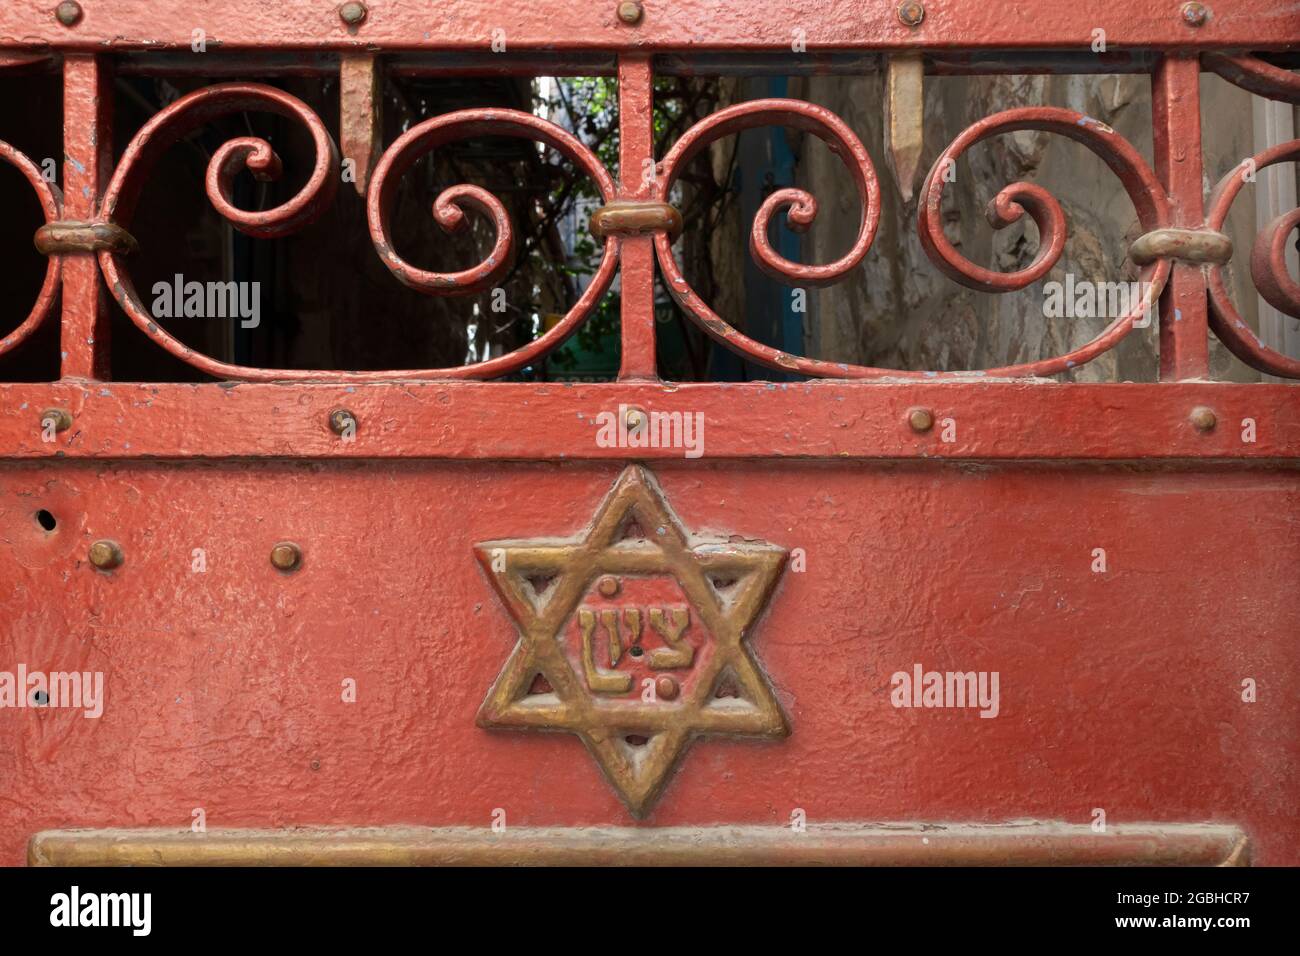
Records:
x=831, y=844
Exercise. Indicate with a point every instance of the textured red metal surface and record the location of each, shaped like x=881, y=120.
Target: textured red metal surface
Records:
x=1252, y=73
x=224, y=689
x=833, y=420
x=666, y=24
x=298, y=629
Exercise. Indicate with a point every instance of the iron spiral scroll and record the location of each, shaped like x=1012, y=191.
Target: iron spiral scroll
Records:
x=453, y=206
x=449, y=211
x=1268, y=267
x=51, y=202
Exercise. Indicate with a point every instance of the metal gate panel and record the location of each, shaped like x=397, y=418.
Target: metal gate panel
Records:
x=226, y=685
x=431, y=603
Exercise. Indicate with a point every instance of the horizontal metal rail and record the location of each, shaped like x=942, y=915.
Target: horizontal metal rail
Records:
x=1028, y=843
x=957, y=421
x=662, y=25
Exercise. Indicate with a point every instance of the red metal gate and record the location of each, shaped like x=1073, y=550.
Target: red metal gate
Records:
x=768, y=636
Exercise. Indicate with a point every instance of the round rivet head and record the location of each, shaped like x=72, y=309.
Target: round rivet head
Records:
x=608, y=585
x=1203, y=418
x=68, y=13
x=60, y=417
x=286, y=556
x=911, y=13
x=105, y=554
x=666, y=688
x=630, y=11
x=353, y=13
x=921, y=419
x=341, y=420
x=1195, y=14
x=634, y=419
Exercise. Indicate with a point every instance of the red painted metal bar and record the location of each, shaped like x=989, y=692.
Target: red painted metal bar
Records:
x=664, y=25
x=502, y=420
x=1267, y=265
x=1252, y=73
x=637, y=177
x=1176, y=124
x=1247, y=71
x=50, y=207
x=87, y=163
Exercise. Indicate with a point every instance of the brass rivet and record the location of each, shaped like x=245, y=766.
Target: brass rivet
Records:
x=608, y=585
x=666, y=688
x=921, y=419
x=1195, y=14
x=340, y=419
x=105, y=554
x=353, y=13
x=68, y=13
x=286, y=556
x=1203, y=418
x=634, y=419
x=315, y=765
x=61, y=417
x=630, y=12
x=911, y=13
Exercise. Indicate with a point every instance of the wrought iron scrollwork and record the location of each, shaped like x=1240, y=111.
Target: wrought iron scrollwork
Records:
x=1014, y=201
x=51, y=207
x=1267, y=267
x=449, y=211
x=1007, y=207
x=252, y=153
x=802, y=208
x=619, y=217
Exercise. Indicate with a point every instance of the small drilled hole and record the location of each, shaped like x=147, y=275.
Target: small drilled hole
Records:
x=40, y=698
x=636, y=650
x=46, y=520
x=636, y=740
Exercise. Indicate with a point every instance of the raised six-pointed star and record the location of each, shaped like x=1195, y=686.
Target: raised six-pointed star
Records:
x=632, y=636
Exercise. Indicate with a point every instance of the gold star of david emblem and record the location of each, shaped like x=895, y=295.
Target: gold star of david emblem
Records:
x=632, y=636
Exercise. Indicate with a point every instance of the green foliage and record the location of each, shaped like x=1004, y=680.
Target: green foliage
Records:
x=589, y=106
